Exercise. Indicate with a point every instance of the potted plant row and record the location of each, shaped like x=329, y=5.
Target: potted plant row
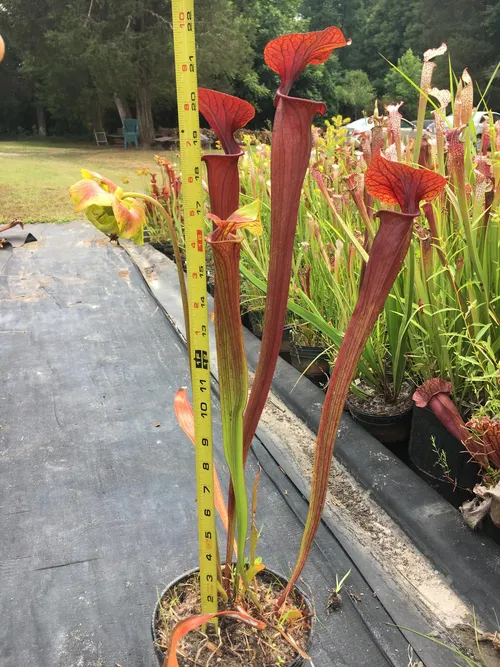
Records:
x=431, y=324
x=455, y=330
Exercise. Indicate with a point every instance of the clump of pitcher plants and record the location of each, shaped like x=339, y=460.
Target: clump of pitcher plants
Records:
x=164, y=185
x=401, y=186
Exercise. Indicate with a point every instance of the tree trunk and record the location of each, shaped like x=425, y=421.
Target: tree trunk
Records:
x=41, y=119
x=145, y=115
x=123, y=108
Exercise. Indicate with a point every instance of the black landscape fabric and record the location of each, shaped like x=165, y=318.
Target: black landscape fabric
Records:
x=97, y=485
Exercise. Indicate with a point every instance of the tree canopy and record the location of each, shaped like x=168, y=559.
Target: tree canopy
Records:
x=69, y=61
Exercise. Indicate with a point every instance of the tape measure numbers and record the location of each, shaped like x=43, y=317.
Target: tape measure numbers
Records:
x=194, y=230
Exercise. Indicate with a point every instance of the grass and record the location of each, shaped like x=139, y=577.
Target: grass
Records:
x=35, y=175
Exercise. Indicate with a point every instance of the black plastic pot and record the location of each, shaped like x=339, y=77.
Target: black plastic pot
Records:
x=168, y=250
x=255, y=323
x=298, y=662
x=286, y=344
x=165, y=248
x=425, y=426
x=391, y=430
x=313, y=362
x=245, y=320
x=251, y=322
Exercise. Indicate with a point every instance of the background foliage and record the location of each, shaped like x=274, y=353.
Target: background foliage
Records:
x=66, y=60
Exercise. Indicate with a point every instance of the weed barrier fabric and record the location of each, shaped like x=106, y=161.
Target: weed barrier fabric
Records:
x=97, y=489
x=16, y=237
x=13, y=238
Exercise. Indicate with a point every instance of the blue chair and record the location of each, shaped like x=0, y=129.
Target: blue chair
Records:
x=130, y=132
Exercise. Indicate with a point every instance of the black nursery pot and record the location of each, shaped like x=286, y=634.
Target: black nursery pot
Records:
x=270, y=574
x=168, y=250
x=393, y=431
x=313, y=362
x=252, y=322
x=255, y=324
x=286, y=344
x=245, y=320
x=165, y=248
x=425, y=426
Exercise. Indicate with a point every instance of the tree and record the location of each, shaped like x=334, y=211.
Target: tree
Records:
x=356, y=92
x=398, y=88
x=15, y=96
x=380, y=32
x=70, y=57
x=472, y=33
x=22, y=25
x=324, y=13
x=78, y=54
x=265, y=20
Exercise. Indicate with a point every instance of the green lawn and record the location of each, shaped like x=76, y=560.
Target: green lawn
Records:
x=35, y=175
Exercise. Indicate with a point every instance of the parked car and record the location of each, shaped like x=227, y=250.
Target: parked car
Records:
x=408, y=129
x=479, y=118
x=427, y=123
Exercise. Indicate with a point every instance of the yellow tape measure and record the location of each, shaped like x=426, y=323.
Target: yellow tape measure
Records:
x=194, y=230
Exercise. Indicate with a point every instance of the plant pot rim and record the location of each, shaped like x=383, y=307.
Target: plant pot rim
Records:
x=319, y=348
x=299, y=660
x=376, y=415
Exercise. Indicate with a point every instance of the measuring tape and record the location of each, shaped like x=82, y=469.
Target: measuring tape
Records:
x=194, y=230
